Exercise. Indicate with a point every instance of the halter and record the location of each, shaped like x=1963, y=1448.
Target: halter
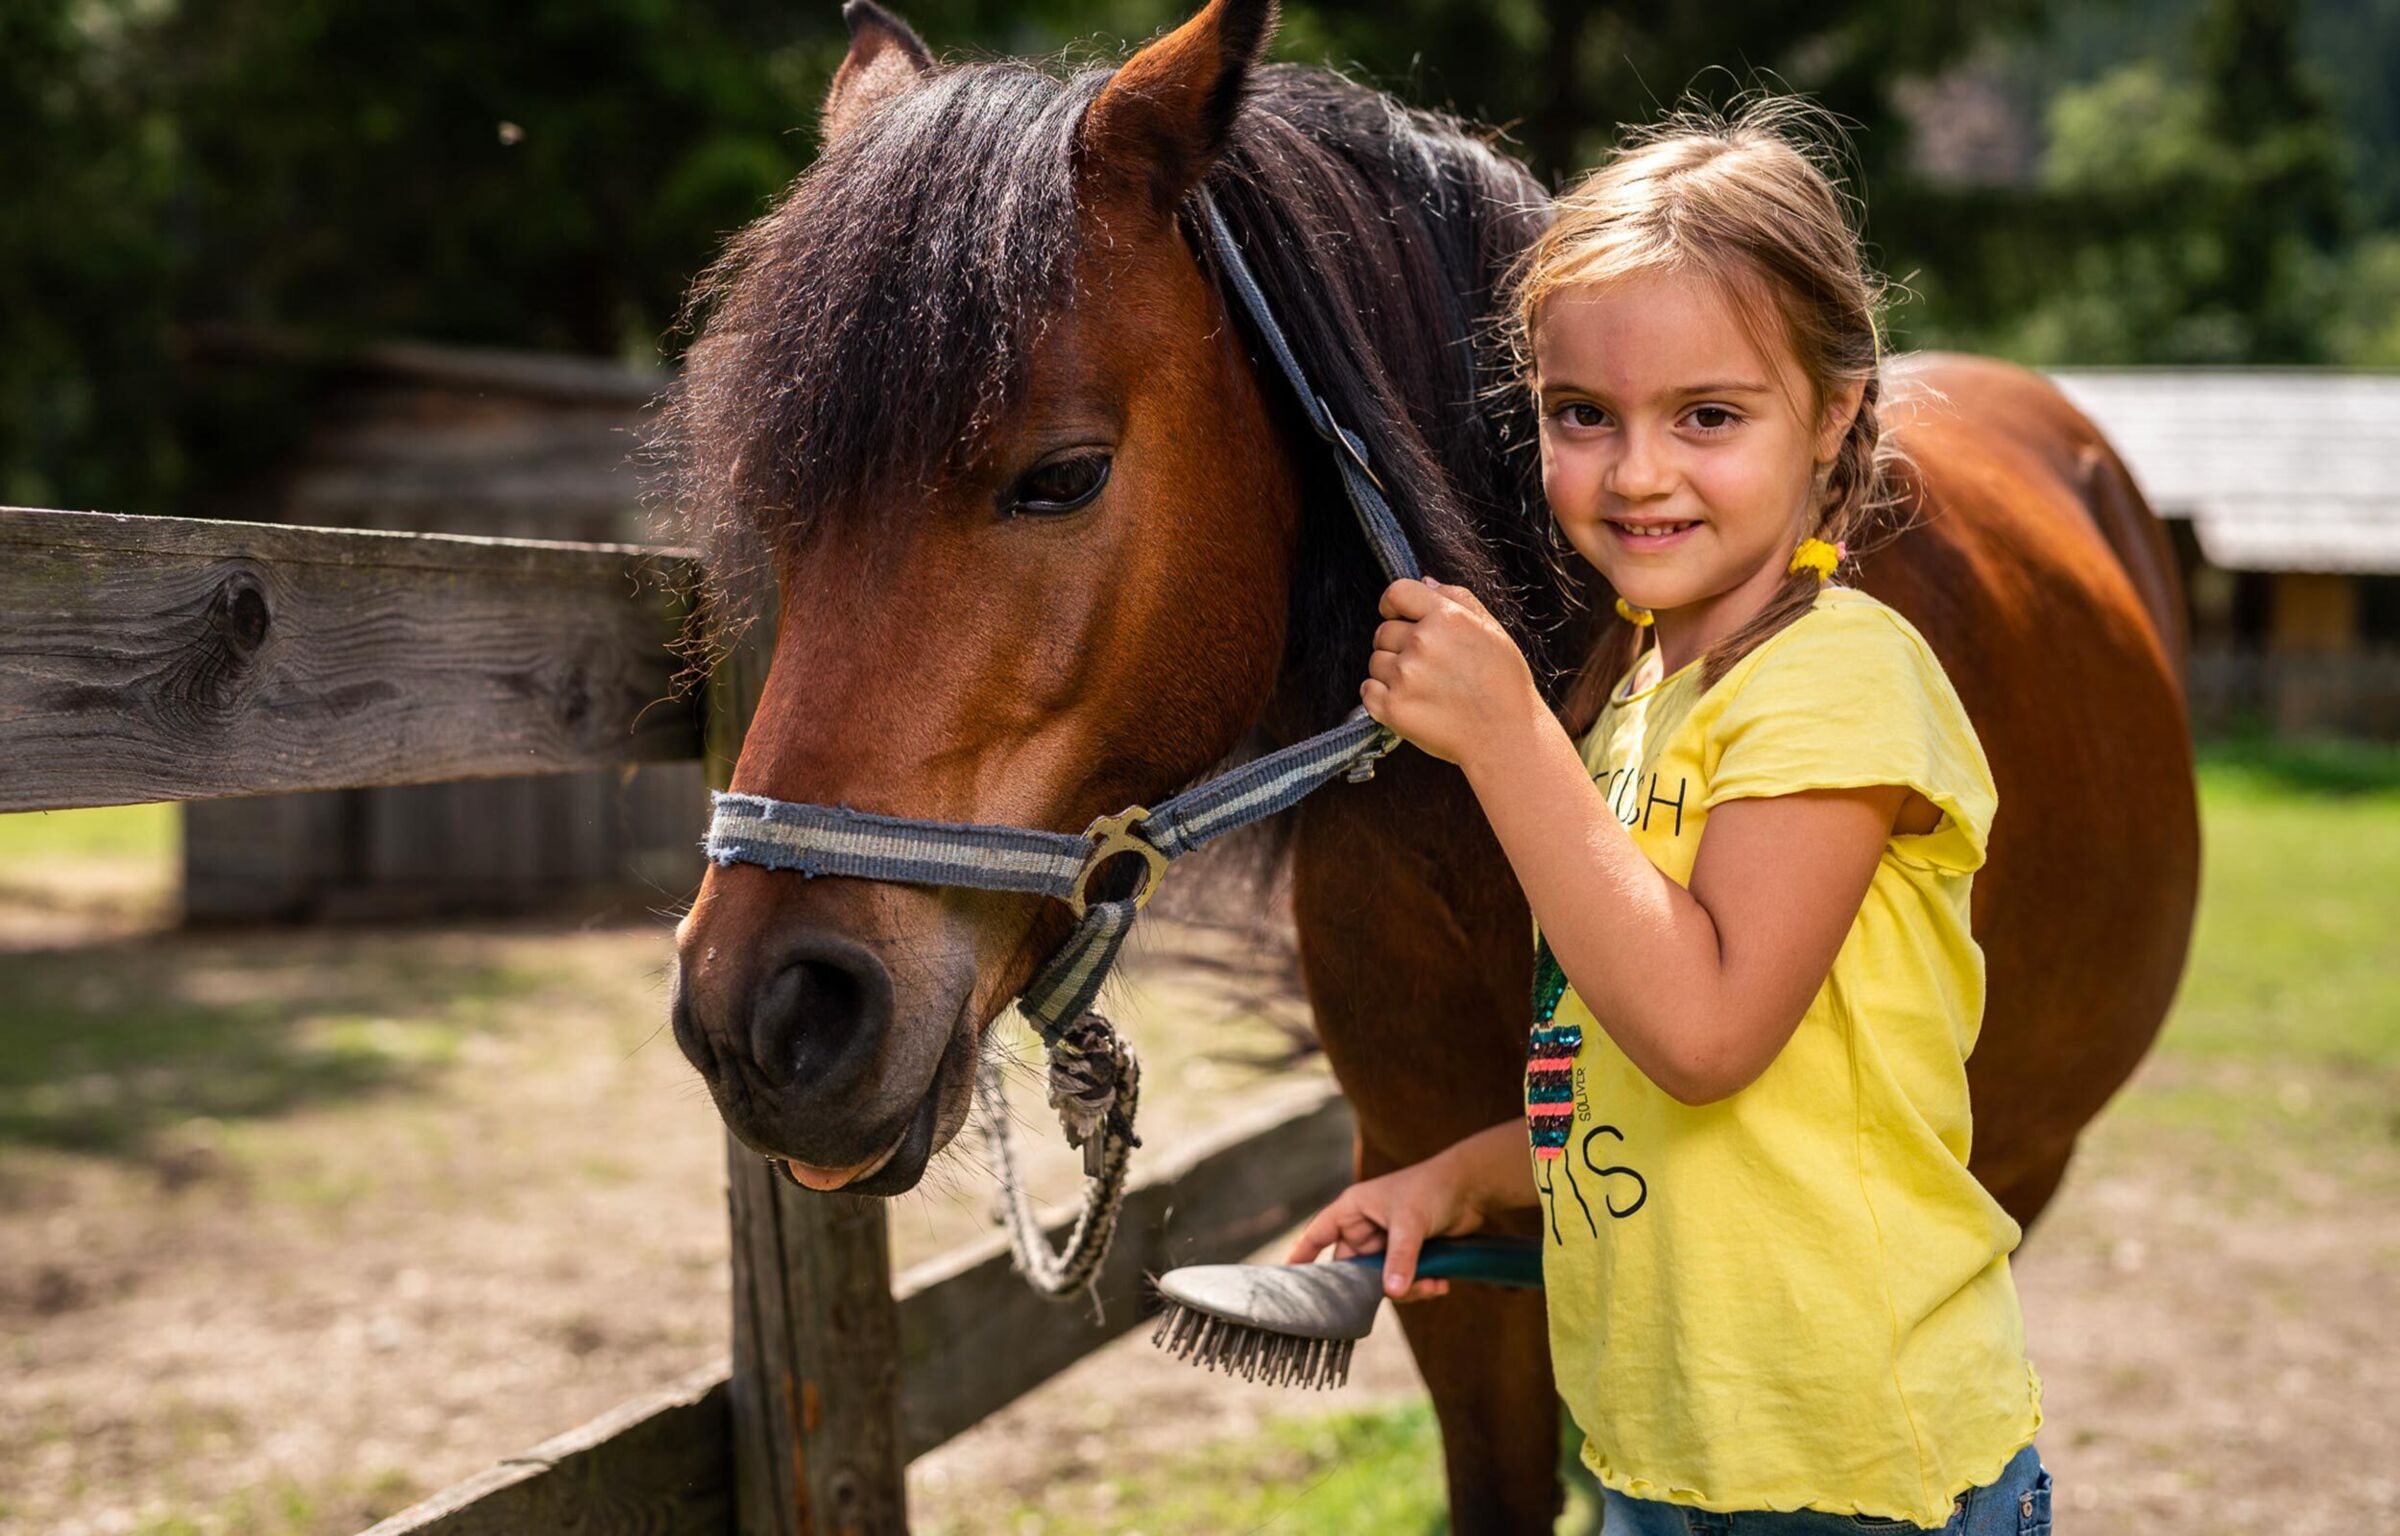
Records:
x=1093, y=1075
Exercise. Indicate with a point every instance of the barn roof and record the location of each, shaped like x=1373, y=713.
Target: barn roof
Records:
x=2278, y=469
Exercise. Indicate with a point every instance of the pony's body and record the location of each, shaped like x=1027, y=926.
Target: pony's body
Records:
x=834, y=1018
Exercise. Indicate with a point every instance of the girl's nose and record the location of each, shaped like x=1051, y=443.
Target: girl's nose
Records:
x=1641, y=471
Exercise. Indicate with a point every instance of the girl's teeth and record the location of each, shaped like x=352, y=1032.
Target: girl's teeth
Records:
x=1653, y=533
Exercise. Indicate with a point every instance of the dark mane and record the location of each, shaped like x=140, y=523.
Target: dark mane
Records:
x=862, y=330
x=1380, y=235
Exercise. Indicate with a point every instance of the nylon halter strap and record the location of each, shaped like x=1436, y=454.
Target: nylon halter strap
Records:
x=836, y=840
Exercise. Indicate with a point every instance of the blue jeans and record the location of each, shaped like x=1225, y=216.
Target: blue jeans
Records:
x=2017, y=1503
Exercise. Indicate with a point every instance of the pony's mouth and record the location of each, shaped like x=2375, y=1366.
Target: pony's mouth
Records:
x=810, y=1176
x=896, y=1169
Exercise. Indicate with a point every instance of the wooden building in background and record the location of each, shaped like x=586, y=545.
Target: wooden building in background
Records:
x=444, y=440
x=2281, y=489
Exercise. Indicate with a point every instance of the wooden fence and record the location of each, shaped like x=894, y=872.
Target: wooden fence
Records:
x=2345, y=693
x=146, y=659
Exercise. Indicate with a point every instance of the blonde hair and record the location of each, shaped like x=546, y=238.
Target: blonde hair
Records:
x=1750, y=199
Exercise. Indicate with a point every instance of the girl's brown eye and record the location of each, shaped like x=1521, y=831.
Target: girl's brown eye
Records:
x=1580, y=414
x=1060, y=486
x=1712, y=418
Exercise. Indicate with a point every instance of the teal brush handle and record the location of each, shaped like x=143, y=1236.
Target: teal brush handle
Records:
x=1513, y=1261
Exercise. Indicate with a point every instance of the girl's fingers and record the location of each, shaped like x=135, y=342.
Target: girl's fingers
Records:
x=1400, y=1246
x=1407, y=599
x=1322, y=1230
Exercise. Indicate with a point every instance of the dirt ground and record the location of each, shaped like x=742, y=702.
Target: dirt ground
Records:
x=296, y=1228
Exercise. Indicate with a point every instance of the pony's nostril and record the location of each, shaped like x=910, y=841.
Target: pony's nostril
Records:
x=814, y=1016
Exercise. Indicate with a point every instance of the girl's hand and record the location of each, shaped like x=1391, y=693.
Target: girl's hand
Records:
x=1393, y=1215
x=1444, y=674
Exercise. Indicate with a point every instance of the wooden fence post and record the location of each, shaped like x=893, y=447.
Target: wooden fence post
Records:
x=816, y=1336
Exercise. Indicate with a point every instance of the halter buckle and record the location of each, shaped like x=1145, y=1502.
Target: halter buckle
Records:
x=1115, y=835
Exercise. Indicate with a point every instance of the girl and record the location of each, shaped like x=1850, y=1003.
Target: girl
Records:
x=1775, y=1291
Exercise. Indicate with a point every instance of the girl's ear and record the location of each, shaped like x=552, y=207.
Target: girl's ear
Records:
x=1841, y=409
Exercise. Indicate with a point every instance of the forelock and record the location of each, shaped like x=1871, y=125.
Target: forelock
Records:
x=861, y=335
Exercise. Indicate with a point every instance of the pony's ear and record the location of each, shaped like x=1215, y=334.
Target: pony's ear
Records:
x=885, y=59
x=1162, y=119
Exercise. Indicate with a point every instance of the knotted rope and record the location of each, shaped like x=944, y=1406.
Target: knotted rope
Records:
x=1096, y=1087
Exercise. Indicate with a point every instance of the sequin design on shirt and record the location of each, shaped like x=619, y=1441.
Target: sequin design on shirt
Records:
x=1550, y=1060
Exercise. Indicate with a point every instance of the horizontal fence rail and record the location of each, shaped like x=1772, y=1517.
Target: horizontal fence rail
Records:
x=153, y=658
x=973, y=1339
x=146, y=659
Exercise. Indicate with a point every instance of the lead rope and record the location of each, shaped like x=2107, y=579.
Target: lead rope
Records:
x=1094, y=1078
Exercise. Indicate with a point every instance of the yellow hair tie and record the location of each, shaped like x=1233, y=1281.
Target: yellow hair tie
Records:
x=1818, y=556
x=1641, y=617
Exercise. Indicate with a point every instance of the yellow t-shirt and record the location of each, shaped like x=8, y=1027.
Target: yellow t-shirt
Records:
x=1796, y=1297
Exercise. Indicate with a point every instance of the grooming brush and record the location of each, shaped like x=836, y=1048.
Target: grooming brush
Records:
x=1296, y=1324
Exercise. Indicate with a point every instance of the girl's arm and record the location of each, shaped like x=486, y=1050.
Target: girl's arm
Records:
x=1699, y=987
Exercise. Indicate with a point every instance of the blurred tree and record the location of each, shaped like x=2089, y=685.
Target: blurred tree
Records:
x=1567, y=73
x=545, y=174
x=2195, y=217
x=550, y=174
x=86, y=277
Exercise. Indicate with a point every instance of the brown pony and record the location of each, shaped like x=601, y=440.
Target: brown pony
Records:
x=1048, y=542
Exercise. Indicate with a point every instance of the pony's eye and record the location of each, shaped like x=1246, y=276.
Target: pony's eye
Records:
x=1062, y=485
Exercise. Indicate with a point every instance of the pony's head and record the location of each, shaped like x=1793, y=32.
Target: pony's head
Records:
x=1034, y=525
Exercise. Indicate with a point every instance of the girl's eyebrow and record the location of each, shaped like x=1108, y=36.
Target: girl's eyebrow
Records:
x=1730, y=387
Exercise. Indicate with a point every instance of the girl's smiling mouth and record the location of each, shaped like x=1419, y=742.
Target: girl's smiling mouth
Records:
x=1657, y=534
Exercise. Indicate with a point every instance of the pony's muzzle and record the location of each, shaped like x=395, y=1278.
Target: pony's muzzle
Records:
x=794, y=1049
x=818, y=1018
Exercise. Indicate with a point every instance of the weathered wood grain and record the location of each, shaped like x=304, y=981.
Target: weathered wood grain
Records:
x=815, y=1393
x=660, y=1465
x=174, y=659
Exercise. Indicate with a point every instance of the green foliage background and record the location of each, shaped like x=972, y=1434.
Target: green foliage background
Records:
x=2214, y=180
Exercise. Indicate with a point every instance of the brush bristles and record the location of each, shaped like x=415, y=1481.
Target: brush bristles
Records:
x=1254, y=1354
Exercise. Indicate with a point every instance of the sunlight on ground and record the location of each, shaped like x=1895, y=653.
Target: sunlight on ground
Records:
x=69, y=876
x=298, y=1226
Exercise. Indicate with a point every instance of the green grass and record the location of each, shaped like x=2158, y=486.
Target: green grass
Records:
x=1377, y=1471
x=147, y=833
x=2294, y=959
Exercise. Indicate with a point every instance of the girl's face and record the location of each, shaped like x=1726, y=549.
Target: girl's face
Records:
x=1677, y=458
